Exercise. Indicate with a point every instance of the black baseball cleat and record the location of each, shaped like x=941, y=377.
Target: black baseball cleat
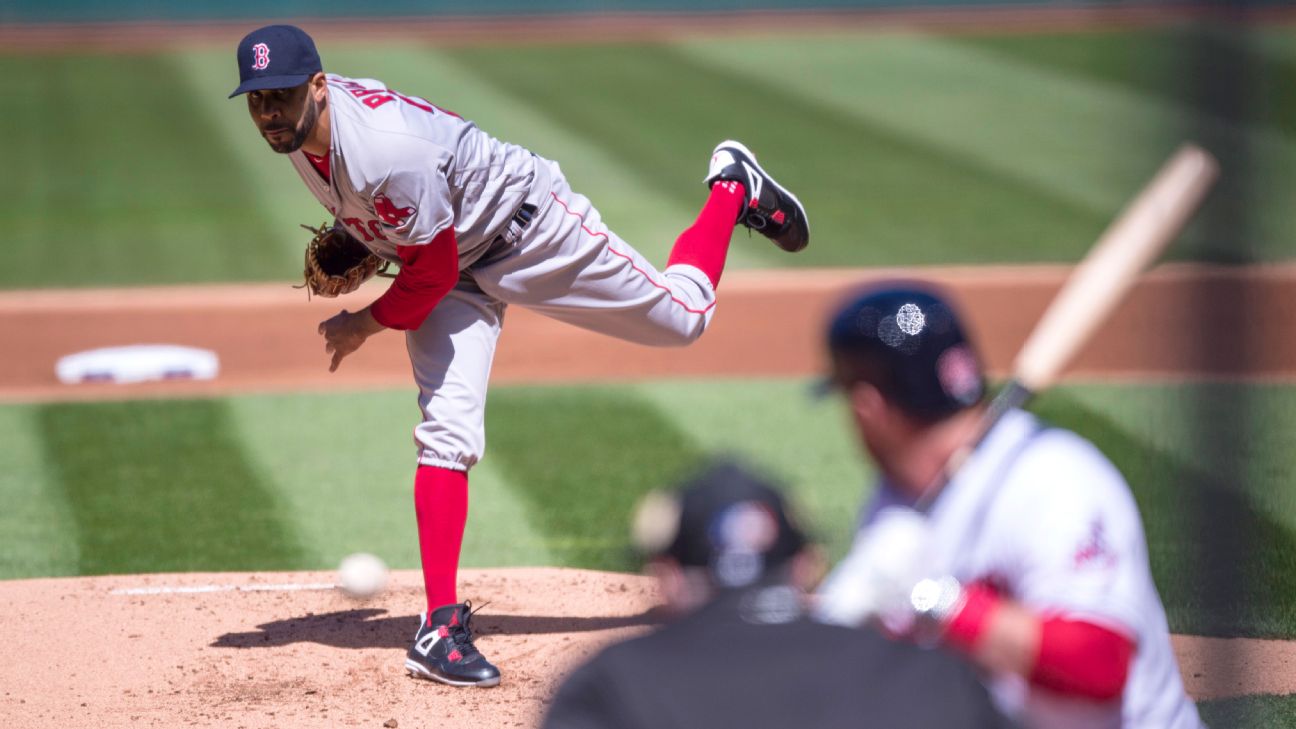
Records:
x=443, y=650
x=771, y=210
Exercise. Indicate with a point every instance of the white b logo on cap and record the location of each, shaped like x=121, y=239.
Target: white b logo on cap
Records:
x=260, y=56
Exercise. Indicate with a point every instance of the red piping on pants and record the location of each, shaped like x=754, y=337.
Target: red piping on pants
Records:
x=642, y=272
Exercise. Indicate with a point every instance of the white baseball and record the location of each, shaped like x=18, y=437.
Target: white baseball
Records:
x=362, y=575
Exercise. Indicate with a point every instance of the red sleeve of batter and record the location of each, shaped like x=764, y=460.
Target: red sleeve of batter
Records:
x=427, y=274
x=1076, y=658
x=1082, y=659
x=966, y=626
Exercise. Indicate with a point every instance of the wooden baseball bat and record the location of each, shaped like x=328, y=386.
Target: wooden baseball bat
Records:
x=1094, y=289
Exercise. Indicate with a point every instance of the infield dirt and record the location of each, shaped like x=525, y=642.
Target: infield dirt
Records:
x=278, y=650
x=1181, y=322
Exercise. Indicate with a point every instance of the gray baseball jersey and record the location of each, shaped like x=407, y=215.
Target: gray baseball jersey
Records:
x=402, y=170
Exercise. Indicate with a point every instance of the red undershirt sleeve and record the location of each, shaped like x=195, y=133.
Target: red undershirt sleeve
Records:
x=1075, y=657
x=1082, y=659
x=427, y=274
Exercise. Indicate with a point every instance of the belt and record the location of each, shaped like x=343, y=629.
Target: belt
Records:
x=524, y=214
x=512, y=232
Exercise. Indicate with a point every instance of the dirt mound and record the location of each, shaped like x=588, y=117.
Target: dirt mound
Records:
x=287, y=650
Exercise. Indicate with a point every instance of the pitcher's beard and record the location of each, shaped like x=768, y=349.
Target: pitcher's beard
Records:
x=303, y=130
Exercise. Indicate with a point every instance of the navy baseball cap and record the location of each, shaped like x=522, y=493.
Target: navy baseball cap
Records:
x=276, y=57
x=905, y=339
x=726, y=518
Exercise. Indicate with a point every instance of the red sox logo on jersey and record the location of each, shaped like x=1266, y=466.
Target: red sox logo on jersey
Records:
x=387, y=210
x=260, y=56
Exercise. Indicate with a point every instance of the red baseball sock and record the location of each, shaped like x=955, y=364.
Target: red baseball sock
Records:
x=705, y=244
x=441, y=505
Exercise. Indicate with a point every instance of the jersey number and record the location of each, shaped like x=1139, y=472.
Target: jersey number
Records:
x=358, y=226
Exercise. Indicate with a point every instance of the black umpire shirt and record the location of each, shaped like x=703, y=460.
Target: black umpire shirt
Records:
x=752, y=659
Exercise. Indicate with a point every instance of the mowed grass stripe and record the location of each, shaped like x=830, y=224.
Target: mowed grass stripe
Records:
x=1219, y=87
x=124, y=179
x=641, y=209
x=158, y=486
x=343, y=467
x=37, y=527
x=1171, y=64
x=1086, y=141
x=971, y=106
x=580, y=459
x=1234, y=434
x=777, y=425
x=1250, y=712
x=874, y=194
x=503, y=530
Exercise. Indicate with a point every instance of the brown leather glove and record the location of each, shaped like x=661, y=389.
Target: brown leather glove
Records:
x=337, y=263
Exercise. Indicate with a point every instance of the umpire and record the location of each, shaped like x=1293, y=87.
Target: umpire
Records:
x=731, y=565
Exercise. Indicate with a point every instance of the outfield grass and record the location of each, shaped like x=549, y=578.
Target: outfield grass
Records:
x=908, y=148
x=249, y=482
x=1250, y=712
x=112, y=182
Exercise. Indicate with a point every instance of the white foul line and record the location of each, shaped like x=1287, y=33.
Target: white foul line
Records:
x=289, y=587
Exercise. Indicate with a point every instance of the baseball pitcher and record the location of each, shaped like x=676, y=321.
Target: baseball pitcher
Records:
x=474, y=224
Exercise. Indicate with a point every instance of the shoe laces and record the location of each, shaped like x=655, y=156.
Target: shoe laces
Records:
x=461, y=634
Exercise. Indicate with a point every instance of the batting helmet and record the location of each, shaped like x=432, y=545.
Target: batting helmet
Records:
x=905, y=339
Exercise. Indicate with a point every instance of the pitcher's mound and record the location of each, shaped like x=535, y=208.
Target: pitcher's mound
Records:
x=287, y=650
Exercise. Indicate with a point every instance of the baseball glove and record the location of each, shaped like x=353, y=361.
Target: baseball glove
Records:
x=337, y=263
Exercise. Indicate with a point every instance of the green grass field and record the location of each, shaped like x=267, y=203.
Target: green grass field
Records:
x=1251, y=711
x=908, y=148
x=245, y=484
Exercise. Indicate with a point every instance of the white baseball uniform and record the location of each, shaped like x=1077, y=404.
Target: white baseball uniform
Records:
x=402, y=170
x=1040, y=514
